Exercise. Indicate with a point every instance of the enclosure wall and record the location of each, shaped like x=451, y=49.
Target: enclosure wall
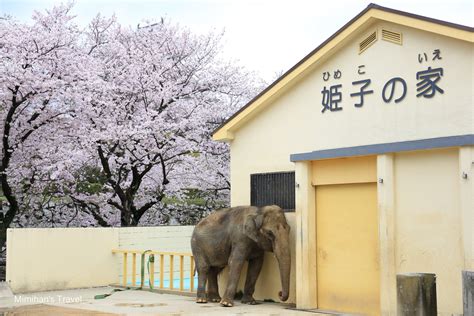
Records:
x=43, y=259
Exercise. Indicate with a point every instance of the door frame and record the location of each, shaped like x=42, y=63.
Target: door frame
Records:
x=381, y=171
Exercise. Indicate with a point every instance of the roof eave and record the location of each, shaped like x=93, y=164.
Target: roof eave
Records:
x=225, y=132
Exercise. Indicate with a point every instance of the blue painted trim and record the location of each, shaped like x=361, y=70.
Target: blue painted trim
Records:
x=430, y=143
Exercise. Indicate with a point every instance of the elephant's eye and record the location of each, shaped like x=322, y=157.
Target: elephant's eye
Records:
x=269, y=234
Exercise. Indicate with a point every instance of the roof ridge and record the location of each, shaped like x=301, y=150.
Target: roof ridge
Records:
x=421, y=17
x=329, y=39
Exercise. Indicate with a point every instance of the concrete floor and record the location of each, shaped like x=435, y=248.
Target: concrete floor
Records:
x=129, y=302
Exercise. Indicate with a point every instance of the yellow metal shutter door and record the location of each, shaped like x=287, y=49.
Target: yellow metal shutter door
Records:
x=348, y=274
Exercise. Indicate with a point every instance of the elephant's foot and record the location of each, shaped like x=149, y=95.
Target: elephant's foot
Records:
x=201, y=300
x=248, y=299
x=227, y=302
x=214, y=297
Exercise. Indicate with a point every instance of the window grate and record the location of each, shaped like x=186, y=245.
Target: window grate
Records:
x=391, y=36
x=367, y=42
x=273, y=188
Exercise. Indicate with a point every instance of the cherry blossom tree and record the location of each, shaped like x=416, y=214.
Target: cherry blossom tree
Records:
x=41, y=70
x=112, y=125
x=149, y=122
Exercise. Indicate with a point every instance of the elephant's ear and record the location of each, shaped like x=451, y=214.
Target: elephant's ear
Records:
x=252, y=225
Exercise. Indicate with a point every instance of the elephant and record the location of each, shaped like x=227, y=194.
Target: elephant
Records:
x=231, y=236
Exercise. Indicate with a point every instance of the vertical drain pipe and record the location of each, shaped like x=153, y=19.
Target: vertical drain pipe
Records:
x=468, y=292
x=416, y=294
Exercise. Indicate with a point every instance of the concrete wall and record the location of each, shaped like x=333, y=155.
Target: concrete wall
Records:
x=162, y=238
x=41, y=259
x=428, y=221
x=466, y=184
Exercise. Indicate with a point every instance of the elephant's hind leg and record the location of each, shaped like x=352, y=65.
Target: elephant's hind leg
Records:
x=203, y=273
x=212, y=287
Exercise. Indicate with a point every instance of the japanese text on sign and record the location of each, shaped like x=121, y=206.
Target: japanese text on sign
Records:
x=394, y=90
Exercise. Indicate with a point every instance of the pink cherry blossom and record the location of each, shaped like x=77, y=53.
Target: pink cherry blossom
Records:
x=111, y=125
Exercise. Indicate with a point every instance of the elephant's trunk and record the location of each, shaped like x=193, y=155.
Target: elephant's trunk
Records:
x=282, y=253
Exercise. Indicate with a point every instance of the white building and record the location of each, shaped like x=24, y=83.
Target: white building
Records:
x=377, y=124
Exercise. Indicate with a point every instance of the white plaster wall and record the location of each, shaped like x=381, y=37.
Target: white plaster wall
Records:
x=158, y=238
x=42, y=259
x=470, y=214
x=293, y=123
x=466, y=166
x=428, y=221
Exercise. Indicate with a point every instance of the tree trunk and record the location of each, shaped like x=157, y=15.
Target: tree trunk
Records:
x=12, y=211
x=5, y=163
x=126, y=215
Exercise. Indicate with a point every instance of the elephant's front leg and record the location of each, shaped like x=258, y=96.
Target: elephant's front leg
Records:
x=236, y=261
x=255, y=266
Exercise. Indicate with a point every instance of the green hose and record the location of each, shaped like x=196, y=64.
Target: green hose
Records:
x=151, y=259
x=102, y=296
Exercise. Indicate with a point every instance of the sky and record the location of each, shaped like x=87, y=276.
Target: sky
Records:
x=265, y=36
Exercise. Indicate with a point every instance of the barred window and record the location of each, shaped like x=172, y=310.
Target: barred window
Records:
x=273, y=188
